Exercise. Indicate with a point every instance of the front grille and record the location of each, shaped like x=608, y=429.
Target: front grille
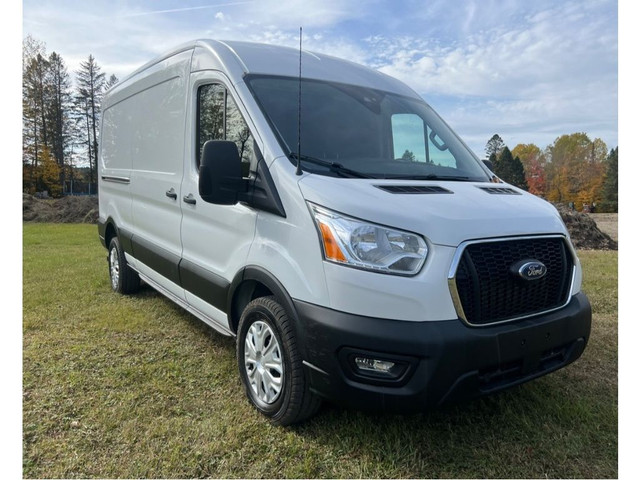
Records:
x=487, y=290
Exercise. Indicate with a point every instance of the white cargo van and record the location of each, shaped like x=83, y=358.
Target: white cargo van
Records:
x=393, y=271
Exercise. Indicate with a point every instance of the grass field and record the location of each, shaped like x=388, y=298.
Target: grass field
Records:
x=136, y=387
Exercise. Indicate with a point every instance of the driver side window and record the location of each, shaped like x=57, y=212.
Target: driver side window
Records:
x=220, y=119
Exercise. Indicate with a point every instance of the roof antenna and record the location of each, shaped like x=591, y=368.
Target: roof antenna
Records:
x=298, y=169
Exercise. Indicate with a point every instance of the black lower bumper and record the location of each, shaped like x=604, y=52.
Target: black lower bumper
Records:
x=445, y=361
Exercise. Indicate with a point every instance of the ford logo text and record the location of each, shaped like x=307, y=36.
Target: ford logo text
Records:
x=529, y=269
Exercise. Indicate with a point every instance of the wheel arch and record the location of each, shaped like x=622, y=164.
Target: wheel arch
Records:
x=109, y=229
x=254, y=282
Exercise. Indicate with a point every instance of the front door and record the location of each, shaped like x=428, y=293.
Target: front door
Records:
x=215, y=238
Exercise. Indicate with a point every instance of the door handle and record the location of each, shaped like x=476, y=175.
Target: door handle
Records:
x=171, y=193
x=190, y=199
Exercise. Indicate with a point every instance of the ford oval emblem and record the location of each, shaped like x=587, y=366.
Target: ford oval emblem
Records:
x=529, y=269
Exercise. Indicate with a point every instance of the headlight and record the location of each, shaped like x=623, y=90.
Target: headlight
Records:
x=358, y=244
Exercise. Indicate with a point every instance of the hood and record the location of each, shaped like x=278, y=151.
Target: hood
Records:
x=455, y=212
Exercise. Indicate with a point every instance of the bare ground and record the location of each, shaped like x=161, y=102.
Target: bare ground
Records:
x=608, y=223
x=585, y=231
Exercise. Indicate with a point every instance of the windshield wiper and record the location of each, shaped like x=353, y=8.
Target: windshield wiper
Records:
x=333, y=166
x=431, y=176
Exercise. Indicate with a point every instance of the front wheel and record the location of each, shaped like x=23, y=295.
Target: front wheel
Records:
x=123, y=278
x=270, y=365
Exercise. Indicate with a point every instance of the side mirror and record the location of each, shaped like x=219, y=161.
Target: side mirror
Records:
x=220, y=180
x=488, y=164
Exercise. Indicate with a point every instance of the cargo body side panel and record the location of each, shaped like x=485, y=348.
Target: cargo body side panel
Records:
x=158, y=111
x=114, y=168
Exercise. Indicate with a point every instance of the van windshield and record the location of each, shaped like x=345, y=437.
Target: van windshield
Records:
x=353, y=131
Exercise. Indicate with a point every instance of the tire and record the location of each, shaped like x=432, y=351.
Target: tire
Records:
x=270, y=364
x=123, y=278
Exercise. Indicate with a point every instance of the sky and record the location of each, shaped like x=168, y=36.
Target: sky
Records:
x=528, y=71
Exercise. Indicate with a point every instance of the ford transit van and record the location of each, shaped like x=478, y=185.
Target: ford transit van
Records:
x=325, y=216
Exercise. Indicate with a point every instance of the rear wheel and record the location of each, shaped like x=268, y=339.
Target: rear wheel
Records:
x=270, y=365
x=124, y=279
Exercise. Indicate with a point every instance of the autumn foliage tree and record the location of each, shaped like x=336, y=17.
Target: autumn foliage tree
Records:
x=575, y=169
x=49, y=172
x=533, y=162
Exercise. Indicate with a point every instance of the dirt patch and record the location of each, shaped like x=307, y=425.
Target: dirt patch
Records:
x=608, y=223
x=81, y=209
x=584, y=231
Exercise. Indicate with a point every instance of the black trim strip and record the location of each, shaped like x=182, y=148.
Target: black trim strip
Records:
x=114, y=179
x=156, y=258
x=126, y=237
x=204, y=284
x=102, y=228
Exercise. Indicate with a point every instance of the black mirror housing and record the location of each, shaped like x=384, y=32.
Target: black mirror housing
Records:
x=488, y=164
x=220, y=180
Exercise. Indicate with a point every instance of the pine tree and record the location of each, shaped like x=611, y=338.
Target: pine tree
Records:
x=494, y=146
x=90, y=88
x=518, y=179
x=502, y=164
x=510, y=169
x=58, y=112
x=35, y=96
x=610, y=187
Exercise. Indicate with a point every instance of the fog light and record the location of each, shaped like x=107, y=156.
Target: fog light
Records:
x=376, y=368
x=374, y=365
x=383, y=369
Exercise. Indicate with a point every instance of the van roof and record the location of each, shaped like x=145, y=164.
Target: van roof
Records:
x=239, y=58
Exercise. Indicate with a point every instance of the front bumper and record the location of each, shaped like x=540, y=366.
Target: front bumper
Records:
x=448, y=360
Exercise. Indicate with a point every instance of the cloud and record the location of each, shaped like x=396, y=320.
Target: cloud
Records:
x=555, y=68
x=119, y=42
x=288, y=14
x=519, y=68
x=186, y=9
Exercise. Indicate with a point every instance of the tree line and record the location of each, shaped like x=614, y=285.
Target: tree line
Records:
x=573, y=170
x=60, y=121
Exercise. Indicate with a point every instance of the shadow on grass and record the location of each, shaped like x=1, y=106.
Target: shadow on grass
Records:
x=216, y=338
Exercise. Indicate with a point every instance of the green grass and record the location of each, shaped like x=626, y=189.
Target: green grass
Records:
x=136, y=387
